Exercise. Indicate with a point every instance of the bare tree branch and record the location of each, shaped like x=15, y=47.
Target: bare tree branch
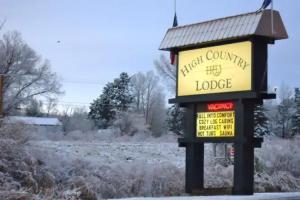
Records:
x=26, y=75
x=166, y=71
x=2, y=23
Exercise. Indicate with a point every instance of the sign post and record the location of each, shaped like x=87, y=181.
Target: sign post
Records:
x=221, y=76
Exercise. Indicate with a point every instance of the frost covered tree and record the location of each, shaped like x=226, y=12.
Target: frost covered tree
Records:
x=34, y=108
x=115, y=97
x=285, y=111
x=175, y=119
x=138, y=89
x=296, y=116
x=51, y=107
x=157, y=114
x=78, y=120
x=149, y=99
x=26, y=75
x=146, y=89
x=260, y=121
x=121, y=95
x=166, y=71
x=102, y=109
x=168, y=74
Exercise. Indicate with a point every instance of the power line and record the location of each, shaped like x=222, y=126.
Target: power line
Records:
x=77, y=81
x=67, y=102
x=82, y=82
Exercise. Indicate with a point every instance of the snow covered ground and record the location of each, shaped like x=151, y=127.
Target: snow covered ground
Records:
x=114, y=152
x=124, y=168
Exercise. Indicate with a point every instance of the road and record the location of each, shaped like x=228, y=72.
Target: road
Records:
x=256, y=196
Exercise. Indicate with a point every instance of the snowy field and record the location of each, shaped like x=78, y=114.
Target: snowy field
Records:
x=90, y=167
x=113, y=152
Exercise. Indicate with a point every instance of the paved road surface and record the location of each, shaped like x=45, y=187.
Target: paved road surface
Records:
x=257, y=196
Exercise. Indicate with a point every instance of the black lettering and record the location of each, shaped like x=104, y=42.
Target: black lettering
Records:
x=197, y=86
x=184, y=71
x=205, y=85
x=245, y=65
x=228, y=83
x=223, y=55
x=235, y=57
x=221, y=84
x=209, y=55
x=214, y=85
x=240, y=63
x=216, y=55
x=194, y=63
x=200, y=60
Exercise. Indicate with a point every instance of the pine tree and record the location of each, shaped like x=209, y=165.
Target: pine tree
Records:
x=284, y=116
x=285, y=112
x=296, y=116
x=260, y=121
x=101, y=110
x=115, y=97
x=175, y=119
x=121, y=93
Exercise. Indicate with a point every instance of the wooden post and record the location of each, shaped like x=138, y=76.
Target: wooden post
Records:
x=194, y=171
x=1, y=95
x=244, y=149
x=194, y=176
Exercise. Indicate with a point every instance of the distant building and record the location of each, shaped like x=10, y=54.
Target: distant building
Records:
x=41, y=123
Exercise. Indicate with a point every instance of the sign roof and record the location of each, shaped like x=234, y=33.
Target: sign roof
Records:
x=229, y=28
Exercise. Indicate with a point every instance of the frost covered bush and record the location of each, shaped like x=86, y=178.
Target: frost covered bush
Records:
x=281, y=181
x=21, y=175
x=218, y=176
x=77, y=169
x=279, y=154
x=127, y=123
x=277, y=165
x=17, y=132
x=78, y=121
x=218, y=173
x=85, y=180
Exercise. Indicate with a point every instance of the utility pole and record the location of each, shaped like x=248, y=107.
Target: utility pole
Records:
x=1, y=95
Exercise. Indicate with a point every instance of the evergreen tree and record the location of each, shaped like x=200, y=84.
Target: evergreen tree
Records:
x=260, y=121
x=175, y=119
x=284, y=116
x=115, y=97
x=285, y=112
x=121, y=92
x=296, y=116
x=101, y=110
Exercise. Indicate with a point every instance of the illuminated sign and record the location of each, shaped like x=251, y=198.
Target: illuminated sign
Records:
x=220, y=106
x=217, y=69
x=215, y=124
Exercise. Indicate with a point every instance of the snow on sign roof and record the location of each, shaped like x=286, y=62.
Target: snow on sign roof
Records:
x=42, y=121
x=228, y=28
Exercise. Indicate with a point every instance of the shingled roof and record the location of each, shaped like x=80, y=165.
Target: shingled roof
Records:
x=229, y=28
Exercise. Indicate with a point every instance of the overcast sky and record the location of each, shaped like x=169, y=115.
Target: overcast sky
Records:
x=100, y=39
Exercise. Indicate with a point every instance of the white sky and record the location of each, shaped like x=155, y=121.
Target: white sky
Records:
x=100, y=39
